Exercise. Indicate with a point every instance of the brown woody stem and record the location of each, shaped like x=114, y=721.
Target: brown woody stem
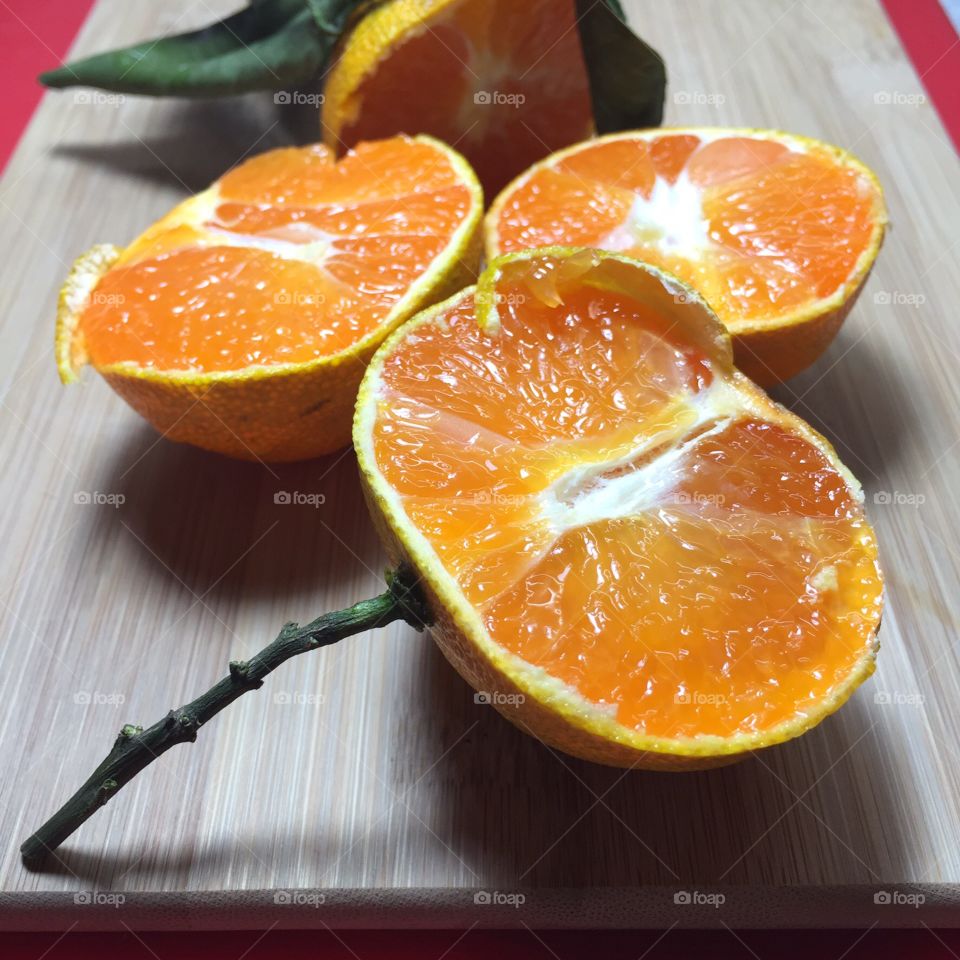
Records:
x=136, y=748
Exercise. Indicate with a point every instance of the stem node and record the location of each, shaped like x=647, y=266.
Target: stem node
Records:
x=103, y=793
x=135, y=748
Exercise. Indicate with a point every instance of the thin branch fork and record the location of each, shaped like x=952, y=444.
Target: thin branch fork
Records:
x=136, y=748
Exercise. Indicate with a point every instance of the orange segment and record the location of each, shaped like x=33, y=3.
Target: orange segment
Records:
x=506, y=81
x=391, y=169
x=623, y=512
x=578, y=396
x=670, y=154
x=778, y=232
x=294, y=265
x=730, y=158
x=802, y=216
x=705, y=596
x=620, y=165
x=314, y=264
x=221, y=308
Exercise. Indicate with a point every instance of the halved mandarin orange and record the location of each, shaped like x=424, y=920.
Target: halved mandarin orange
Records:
x=777, y=231
x=641, y=558
x=242, y=321
x=503, y=81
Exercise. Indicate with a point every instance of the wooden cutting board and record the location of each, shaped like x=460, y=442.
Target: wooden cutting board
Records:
x=363, y=785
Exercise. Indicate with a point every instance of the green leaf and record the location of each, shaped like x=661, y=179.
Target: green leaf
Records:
x=628, y=79
x=333, y=16
x=269, y=45
x=278, y=44
x=617, y=8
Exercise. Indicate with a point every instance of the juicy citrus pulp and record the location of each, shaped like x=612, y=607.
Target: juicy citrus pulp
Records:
x=291, y=268
x=776, y=231
x=503, y=81
x=290, y=257
x=623, y=526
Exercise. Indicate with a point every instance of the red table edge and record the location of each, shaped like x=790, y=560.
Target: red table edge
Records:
x=930, y=39
x=24, y=53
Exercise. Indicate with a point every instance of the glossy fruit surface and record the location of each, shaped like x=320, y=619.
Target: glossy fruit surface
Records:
x=503, y=81
x=615, y=528
x=242, y=321
x=778, y=232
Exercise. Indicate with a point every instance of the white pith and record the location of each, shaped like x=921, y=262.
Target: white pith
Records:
x=302, y=241
x=796, y=144
x=200, y=209
x=734, y=398
x=671, y=218
x=585, y=495
x=314, y=248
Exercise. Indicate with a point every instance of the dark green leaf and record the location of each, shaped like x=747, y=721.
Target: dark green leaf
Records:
x=332, y=16
x=269, y=45
x=628, y=79
x=617, y=8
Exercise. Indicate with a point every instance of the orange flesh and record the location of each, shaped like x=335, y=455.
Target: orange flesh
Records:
x=525, y=55
x=692, y=573
x=757, y=227
x=299, y=258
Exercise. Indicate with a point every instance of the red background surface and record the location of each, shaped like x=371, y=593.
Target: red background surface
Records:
x=933, y=46
x=36, y=34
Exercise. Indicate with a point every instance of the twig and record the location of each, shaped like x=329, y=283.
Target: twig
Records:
x=136, y=748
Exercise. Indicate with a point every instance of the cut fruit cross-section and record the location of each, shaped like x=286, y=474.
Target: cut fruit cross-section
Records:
x=503, y=81
x=242, y=321
x=652, y=562
x=778, y=232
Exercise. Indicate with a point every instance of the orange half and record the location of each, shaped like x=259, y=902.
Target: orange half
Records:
x=777, y=231
x=640, y=557
x=242, y=321
x=503, y=81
